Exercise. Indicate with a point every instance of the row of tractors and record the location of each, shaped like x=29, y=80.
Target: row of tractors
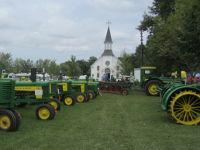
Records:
x=180, y=100
x=47, y=96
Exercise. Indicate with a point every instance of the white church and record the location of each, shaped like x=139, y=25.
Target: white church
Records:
x=107, y=65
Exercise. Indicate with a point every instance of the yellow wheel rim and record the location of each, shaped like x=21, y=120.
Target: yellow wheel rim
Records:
x=5, y=122
x=80, y=98
x=185, y=108
x=152, y=89
x=44, y=113
x=68, y=101
x=91, y=95
x=54, y=104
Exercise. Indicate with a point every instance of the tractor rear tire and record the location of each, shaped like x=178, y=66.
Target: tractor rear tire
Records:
x=80, y=98
x=7, y=120
x=151, y=86
x=18, y=119
x=68, y=100
x=92, y=95
x=45, y=112
x=184, y=108
x=55, y=103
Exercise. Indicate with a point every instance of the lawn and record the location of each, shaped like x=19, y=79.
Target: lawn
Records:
x=111, y=122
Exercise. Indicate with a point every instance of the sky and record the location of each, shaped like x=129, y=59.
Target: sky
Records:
x=57, y=29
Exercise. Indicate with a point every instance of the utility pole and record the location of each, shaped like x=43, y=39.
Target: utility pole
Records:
x=142, y=48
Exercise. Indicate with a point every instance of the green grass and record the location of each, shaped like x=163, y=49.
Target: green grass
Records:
x=111, y=122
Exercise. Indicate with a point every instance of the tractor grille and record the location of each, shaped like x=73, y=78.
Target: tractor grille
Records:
x=6, y=89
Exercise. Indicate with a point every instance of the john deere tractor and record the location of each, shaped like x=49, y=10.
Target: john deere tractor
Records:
x=14, y=94
x=150, y=82
x=182, y=103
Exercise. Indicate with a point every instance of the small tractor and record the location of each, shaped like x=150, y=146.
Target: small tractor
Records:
x=92, y=87
x=182, y=103
x=150, y=82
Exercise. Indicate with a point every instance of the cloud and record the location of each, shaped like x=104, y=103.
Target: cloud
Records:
x=45, y=29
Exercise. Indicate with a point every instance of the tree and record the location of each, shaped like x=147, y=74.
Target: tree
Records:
x=6, y=61
x=173, y=44
x=40, y=64
x=85, y=67
x=71, y=67
x=53, y=68
x=127, y=63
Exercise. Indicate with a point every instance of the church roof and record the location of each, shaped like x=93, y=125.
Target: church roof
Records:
x=107, y=53
x=108, y=38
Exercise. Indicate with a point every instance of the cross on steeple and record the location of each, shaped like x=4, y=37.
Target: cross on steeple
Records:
x=108, y=22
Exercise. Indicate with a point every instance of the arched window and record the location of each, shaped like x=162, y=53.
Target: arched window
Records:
x=98, y=68
x=107, y=70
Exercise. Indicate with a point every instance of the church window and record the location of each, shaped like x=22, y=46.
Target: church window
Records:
x=107, y=63
x=98, y=68
x=97, y=75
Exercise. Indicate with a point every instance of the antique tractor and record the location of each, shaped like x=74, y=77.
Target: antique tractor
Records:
x=9, y=118
x=82, y=93
x=150, y=82
x=67, y=94
x=36, y=92
x=114, y=87
x=92, y=87
x=182, y=103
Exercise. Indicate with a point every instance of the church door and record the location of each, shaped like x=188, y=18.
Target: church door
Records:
x=107, y=72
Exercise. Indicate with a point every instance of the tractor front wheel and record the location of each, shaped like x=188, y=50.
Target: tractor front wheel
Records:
x=68, y=100
x=151, y=87
x=184, y=108
x=80, y=98
x=55, y=103
x=45, y=112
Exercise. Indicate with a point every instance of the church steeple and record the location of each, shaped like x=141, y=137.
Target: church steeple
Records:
x=108, y=38
x=108, y=44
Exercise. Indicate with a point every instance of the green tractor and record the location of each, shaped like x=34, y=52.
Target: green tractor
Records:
x=82, y=93
x=182, y=103
x=92, y=87
x=38, y=93
x=150, y=82
x=15, y=94
x=10, y=119
x=67, y=94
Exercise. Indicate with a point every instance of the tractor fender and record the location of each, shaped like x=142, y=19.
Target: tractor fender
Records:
x=150, y=80
x=170, y=92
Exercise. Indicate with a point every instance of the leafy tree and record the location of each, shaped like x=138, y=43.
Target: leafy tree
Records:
x=85, y=67
x=174, y=41
x=71, y=67
x=53, y=68
x=163, y=8
x=127, y=63
x=6, y=61
x=40, y=64
x=91, y=60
